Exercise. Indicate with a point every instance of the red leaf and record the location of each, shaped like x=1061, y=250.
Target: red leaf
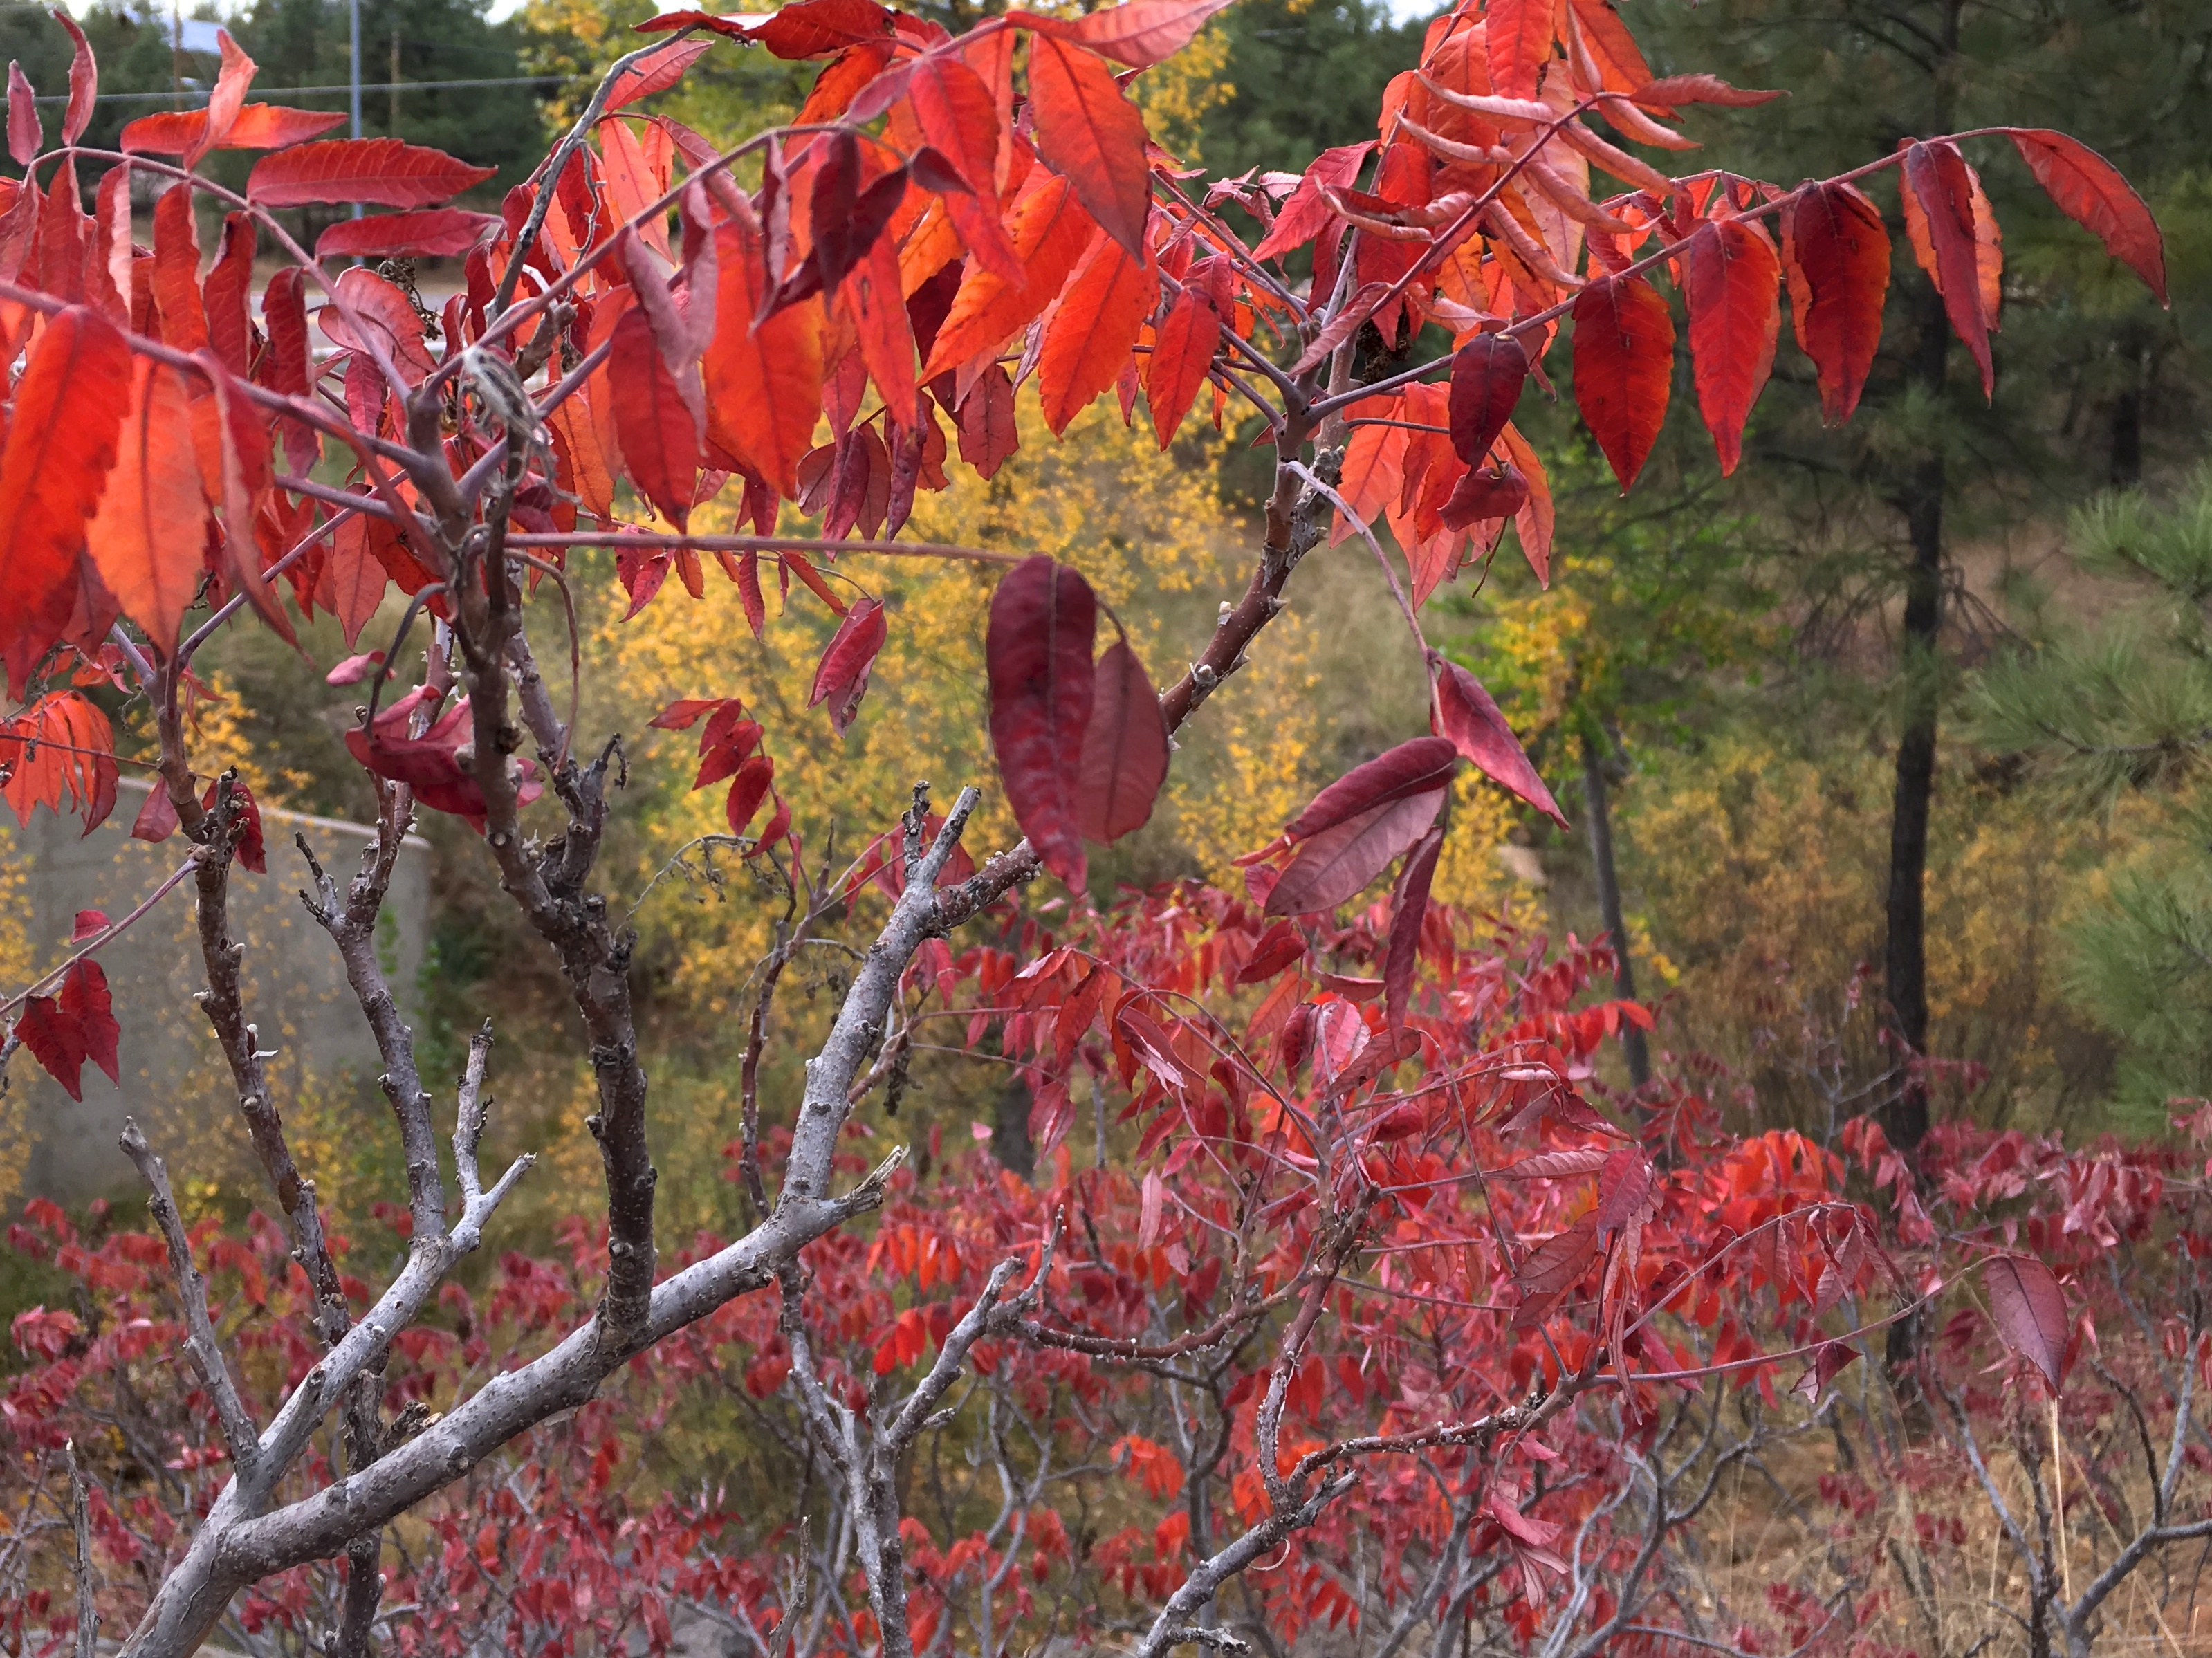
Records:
x=959, y=116
x=841, y=679
x=227, y=295
x=1677, y=90
x=1409, y=908
x=985, y=421
x=1280, y=946
x=1552, y=1268
x=1516, y=39
x=655, y=424
x=26, y=137
x=380, y=172
x=1936, y=177
x=176, y=277
x=442, y=233
x=1467, y=713
x=54, y=1041
x=1486, y=376
x=1830, y=1360
x=1050, y=232
x=431, y=764
x=2029, y=1310
x=1554, y=1165
x=807, y=29
x=2089, y=190
x=226, y=100
x=1183, y=351
x=1125, y=749
x=1837, y=257
x=1484, y=496
x=1416, y=767
x=655, y=74
x=1733, y=287
x=84, y=79
x=1037, y=649
x=386, y=317
x=252, y=850
x=1623, y=363
x=84, y=999
x=1341, y=860
x=145, y=537
x=1305, y=213
x=89, y=924
x=69, y=406
x=1140, y=33
x=1626, y=1188
x=1089, y=133
x=1089, y=331
x=747, y=790
x=157, y=819
x=272, y=126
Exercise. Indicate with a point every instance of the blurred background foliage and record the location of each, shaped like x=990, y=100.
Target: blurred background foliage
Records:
x=1730, y=650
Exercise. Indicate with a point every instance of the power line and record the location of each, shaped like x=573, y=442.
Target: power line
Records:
x=339, y=89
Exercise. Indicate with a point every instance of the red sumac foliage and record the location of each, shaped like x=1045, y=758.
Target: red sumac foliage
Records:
x=1414, y=1281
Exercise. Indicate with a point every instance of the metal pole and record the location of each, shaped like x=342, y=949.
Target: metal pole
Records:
x=352, y=21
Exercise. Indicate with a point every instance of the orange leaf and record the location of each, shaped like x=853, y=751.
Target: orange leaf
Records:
x=147, y=535
x=1050, y=232
x=1516, y=39
x=1091, y=328
x=763, y=383
x=2089, y=190
x=959, y=116
x=659, y=433
x=1140, y=33
x=1088, y=130
x=68, y=408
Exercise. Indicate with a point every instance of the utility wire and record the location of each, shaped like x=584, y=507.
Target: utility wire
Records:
x=335, y=90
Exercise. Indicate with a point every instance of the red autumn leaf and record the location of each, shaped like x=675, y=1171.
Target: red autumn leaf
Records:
x=431, y=764
x=1125, y=749
x=1935, y=175
x=1676, y=90
x=27, y=136
x=54, y=1041
x=1733, y=286
x=85, y=999
x=748, y=789
x=763, y=383
x=1183, y=351
x=1280, y=946
x=1089, y=331
x=807, y=28
x=1140, y=33
x=1623, y=363
x=1486, y=376
x=2089, y=190
x=655, y=423
x=146, y=537
x=959, y=118
x=440, y=232
x=1517, y=40
x=1037, y=650
x=1409, y=908
x=226, y=98
x=387, y=318
x=1305, y=212
x=985, y=421
x=1552, y=1268
x=1830, y=1360
x=1050, y=232
x=1837, y=257
x=1341, y=860
x=69, y=406
x=1484, y=495
x=655, y=74
x=842, y=678
x=380, y=172
x=88, y=924
x=2029, y=1310
x=84, y=79
x=157, y=819
x=176, y=274
x=258, y=126
x=872, y=300
x=1467, y=715
x=1413, y=767
x=226, y=295
x=1089, y=133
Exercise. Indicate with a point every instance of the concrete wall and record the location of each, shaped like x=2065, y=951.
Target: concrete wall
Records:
x=174, y=1081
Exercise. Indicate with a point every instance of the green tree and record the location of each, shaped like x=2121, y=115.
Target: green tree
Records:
x=2120, y=717
x=2091, y=375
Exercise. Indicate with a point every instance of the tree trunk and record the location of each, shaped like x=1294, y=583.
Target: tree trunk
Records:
x=1906, y=948
x=1609, y=899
